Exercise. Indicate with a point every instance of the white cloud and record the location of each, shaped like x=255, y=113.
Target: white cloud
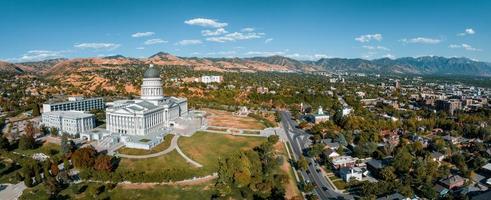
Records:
x=376, y=48
x=248, y=29
x=468, y=31
x=289, y=55
x=369, y=37
x=421, y=40
x=142, y=34
x=140, y=48
x=389, y=56
x=205, y=23
x=463, y=46
x=369, y=54
x=188, y=42
x=218, y=31
x=97, y=46
x=307, y=56
x=38, y=55
x=154, y=41
x=222, y=53
x=268, y=40
x=264, y=53
x=235, y=36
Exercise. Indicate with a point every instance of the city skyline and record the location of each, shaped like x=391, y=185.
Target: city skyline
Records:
x=38, y=30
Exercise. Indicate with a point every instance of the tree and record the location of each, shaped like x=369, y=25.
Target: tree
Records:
x=27, y=142
x=35, y=110
x=103, y=163
x=4, y=143
x=84, y=157
x=29, y=130
x=388, y=174
x=37, y=175
x=53, y=131
x=403, y=161
x=28, y=180
x=66, y=146
x=54, y=169
x=273, y=139
x=316, y=150
x=66, y=163
x=46, y=167
x=302, y=163
x=52, y=186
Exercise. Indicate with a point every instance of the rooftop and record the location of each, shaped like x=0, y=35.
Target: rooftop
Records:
x=69, y=114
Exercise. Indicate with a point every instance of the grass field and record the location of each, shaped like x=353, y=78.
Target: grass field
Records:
x=168, y=192
x=47, y=148
x=227, y=119
x=161, y=147
x=340, y=184
x=203, y=147
x=206, y=148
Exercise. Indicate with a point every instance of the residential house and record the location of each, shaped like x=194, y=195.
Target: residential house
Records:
x=453, y=181
x=343, y=161
x=329, y=153
x=350, y=173
x=437, y=156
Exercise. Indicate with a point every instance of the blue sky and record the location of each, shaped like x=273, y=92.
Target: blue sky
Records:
x=305, y=30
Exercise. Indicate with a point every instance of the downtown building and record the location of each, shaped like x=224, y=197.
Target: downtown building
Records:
x=75, y=103
x=70, y=122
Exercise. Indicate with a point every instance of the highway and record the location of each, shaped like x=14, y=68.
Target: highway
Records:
x=324, y=190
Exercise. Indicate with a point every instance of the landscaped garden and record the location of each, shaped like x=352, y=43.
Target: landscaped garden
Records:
x=203, y=147
x=161, y=147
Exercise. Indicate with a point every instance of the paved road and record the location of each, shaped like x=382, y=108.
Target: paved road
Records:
x=324, y=190
x=12, y=191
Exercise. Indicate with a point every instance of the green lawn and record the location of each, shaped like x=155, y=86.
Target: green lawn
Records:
x=161, y=147
x=195, y=192
x=168, y=192
x=47, y=148
x=340, y=184
x=203, y=147
x=206, y=148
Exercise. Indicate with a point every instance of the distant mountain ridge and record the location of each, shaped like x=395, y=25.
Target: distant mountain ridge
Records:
x=427, y=65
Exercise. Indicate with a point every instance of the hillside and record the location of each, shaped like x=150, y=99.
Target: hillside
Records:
x=428, y=65
x=10, y=67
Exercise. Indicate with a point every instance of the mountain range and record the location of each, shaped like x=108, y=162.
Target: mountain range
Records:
x=428, y=65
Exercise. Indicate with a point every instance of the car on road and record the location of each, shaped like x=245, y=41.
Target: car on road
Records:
x=318, y=170
x=324, y=188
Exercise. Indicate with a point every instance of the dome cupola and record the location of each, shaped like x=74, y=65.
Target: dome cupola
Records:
x=151, y=72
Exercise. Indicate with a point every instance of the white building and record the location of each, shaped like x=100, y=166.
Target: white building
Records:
x=75, y=103
x=71, y=122
x=346, y=111
x=320, y=116
x=348, y=174
x=141, y=123
x=211, y=79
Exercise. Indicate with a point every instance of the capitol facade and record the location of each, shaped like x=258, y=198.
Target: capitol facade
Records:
x=152, y=113
x=142, y=123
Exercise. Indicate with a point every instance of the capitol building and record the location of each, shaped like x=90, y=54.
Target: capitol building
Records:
x=151, y=113
x=142, y=123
